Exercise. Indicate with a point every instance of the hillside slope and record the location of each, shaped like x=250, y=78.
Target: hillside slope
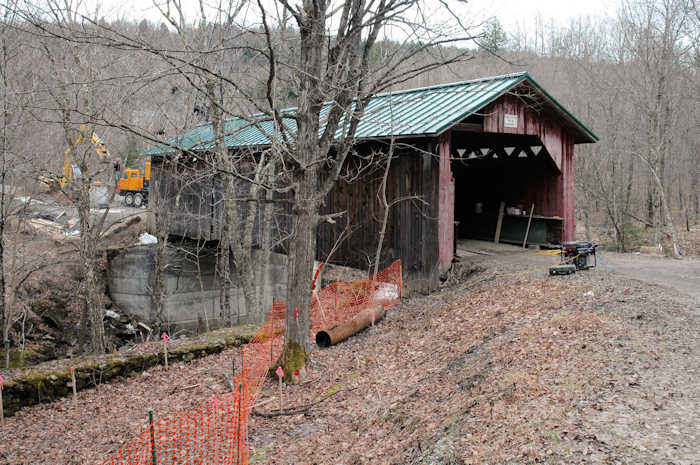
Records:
x=589, y=368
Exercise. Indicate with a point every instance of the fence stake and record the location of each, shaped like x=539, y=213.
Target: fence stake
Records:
x=238, y=438
x=153, y=438
x=165, y=349
x=75, y=389
x=280, y=374
x=2, y=413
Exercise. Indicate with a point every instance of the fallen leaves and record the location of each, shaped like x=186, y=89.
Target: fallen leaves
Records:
x=512, y=371
x=513, y=367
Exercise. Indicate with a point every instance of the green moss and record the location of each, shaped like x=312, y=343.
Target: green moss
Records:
x=47, y=385
x=19, y=359
x=294, y=358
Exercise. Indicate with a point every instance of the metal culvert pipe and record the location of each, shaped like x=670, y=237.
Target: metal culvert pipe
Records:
x=342, y=331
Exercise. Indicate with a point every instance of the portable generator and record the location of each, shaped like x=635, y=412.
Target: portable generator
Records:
x=582, y=254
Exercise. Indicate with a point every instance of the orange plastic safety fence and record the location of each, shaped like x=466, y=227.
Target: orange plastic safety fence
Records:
x=341, y=301
x=216, y=433
x=208, y=434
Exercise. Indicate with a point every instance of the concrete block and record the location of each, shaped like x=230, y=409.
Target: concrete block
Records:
x=193, y=290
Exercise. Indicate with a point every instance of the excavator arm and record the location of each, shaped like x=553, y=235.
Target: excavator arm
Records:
x=70, y=172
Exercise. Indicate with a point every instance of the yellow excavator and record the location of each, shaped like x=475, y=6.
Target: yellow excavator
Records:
x=70, y=172
x=70, y=177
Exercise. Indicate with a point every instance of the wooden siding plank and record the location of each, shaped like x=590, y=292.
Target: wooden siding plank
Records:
x=446, y=205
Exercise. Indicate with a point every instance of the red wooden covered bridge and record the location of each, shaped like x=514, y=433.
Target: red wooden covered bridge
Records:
x=462, y=151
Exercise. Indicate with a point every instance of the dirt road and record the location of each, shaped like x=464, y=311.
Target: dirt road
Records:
x=682, y=276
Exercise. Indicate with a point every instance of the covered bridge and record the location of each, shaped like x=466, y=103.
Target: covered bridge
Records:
x=464, y=150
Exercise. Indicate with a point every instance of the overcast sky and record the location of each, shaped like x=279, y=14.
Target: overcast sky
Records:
x=510, y=13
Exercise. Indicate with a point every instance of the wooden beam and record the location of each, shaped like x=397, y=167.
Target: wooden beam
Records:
x=446, y=200
x=469, y=127
x=529, y=221
x=497, y=236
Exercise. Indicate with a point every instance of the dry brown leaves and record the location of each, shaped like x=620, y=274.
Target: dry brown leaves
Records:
x=587, y=368
x=511, y=372
x=112, y=414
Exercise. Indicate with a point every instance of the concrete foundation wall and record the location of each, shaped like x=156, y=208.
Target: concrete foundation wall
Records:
x=193, y=292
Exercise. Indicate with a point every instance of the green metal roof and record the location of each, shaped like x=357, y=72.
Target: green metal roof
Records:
x=415, y=112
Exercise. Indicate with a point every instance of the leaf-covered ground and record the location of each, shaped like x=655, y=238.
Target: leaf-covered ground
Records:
x=589, y=368
x=112, y=414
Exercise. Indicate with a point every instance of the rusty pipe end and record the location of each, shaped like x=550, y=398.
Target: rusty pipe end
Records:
x=323, y=339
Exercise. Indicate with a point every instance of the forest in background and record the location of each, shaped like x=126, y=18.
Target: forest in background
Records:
x=632, y=79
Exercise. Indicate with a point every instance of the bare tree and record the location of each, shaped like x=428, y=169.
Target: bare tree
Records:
x=656, y=33
x=321, y=56
x=15, y=94
x=88, y=161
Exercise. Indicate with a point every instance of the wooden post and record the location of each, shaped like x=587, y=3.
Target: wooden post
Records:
x=165, y=349
x=280, y=374
x=2, y=412
x=529, y=221
x=497, y=236
x=75, y=389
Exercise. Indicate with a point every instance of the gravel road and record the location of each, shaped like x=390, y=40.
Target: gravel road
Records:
x=682, y=276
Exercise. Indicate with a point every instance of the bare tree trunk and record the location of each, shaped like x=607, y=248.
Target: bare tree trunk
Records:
x=630, y=184
x=669, y=222
x=587, y=217
x=385, y=206
x=5, y=321
x=223, y=262
x=223, y=270
x=92, y=311
x=239, y=235
x=666, y=210
x=302, y=252
x=263, y=260
x=650, y=201
x=158, y=289
x=682, y=205
x=694, y=188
